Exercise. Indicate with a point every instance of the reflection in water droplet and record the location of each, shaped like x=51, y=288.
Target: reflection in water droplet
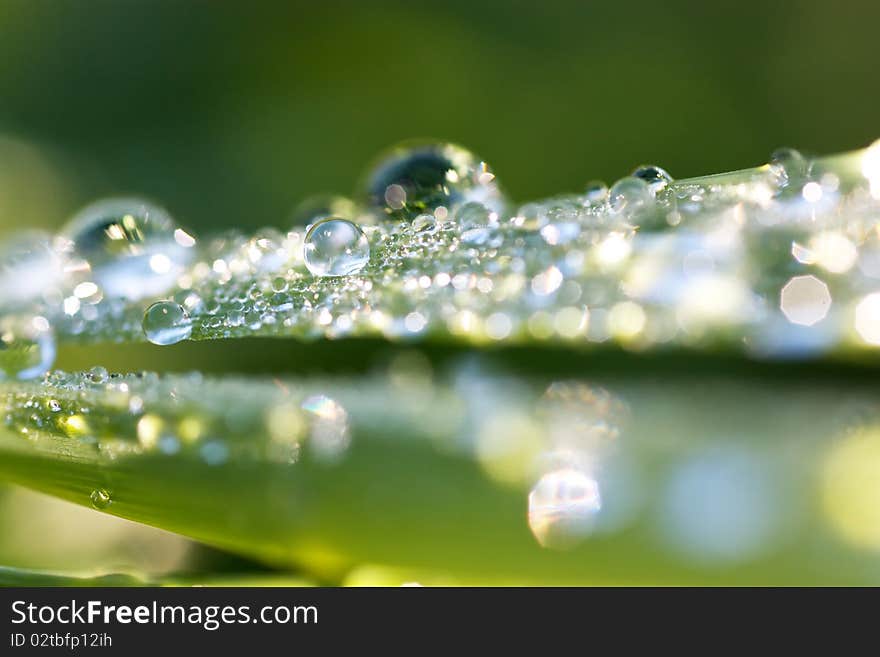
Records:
x=562, y=508
x=27, y=347
x=100, y=498
x=656, y=178
x=130, y=246
x=417, y=179
x=329, y=433
x=335, y=247
x=166, y=322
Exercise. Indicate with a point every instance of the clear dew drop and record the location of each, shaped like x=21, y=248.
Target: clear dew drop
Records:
x=100, y=498
x=335, y=247
x=788, y=166
x=27, y=347
x=424, y=223
x=656, y=178
x=133, y=249
x=98, y=375
x=629, y=195
x=166, y=322
x=417, y=179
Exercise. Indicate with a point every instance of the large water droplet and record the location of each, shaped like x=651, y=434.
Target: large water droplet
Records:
x=28, y=266
x=133, y=248
x=27, y=347
x=100, y=498
x=335, y=247
x=629, y=195
x=416, y=179
x=166, y=322
x=656, y=178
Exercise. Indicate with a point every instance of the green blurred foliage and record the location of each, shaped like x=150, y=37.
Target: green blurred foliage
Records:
x=229, y=113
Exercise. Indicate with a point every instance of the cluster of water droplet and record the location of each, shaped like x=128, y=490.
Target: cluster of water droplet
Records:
x=782, y=259
x=112, y=416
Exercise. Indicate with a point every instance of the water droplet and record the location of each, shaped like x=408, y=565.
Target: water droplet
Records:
x=563, y=507
x=476, y=236
x=596, y=191
x=788, y=166
x=191, y=301
x=28, y=266
x=98, y=375
x=473, y=215
x=424, y=223
x=417, y=179
x=166, y=322
x=100, y=498
x=265, y=252
x=235, y=318
x=629, y=195
x=335, y=247
x=27, y=347
x=656, y=177
x=129, y=245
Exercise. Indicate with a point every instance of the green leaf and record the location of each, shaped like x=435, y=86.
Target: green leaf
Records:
x=624, y=434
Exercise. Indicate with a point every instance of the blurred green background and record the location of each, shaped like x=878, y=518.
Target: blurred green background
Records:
x=230, y=113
